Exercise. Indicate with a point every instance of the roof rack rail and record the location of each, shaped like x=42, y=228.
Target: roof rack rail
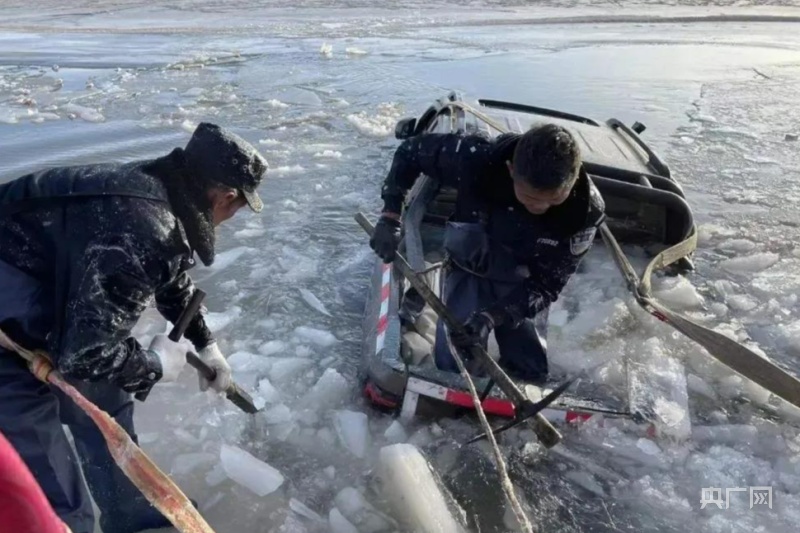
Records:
x=655, y=162
x=511, y=106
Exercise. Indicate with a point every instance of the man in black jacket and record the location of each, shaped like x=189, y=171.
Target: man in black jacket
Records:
x=83, y=251
x=525, y=216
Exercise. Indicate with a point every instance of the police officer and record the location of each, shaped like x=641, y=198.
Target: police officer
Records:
x=83, y=251
x=525, y=215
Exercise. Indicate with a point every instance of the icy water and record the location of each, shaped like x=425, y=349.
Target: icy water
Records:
x=114, y=81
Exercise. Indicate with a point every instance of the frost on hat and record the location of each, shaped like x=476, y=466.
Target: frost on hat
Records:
x=220, y=156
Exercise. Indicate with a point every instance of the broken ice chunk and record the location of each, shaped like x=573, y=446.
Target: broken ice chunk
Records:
x=286, y=368
x=282, y=432
x=698, y=386
x=267, y=392
x=186, y=437
x=326, y=437
x=360, y=512
x=218, y=321
x=216, y=476
x=621, y=446
x=278, y=414
x=330, y=472
x=658, y=390
x=308, y=417
x=340, y=524
x=421, y=438
x=415, y=495
x=330, y=390
x=248, y=362
x=353, y=431
x=211, y=502
x=86, y=113
x=313, y=301
x=726, y=434
x=395, y=433
x=737, y=245
x=300, y=508
x=718, y=417
x=303, y=351
x=252, y=473
x=147, y=438
x=267, y=323
x=334, y=154
x=271, y=348
x=742, y=302
x=587, y=481
x=327, y=361
x=751, y=263
x=647, y=446
x=291, y=524
x=316, y=336
x=186, y=462
x=227, y=258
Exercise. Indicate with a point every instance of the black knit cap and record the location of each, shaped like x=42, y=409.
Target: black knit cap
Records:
x=219, y=156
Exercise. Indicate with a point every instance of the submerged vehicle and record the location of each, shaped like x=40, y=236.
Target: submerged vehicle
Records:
x=644, y=205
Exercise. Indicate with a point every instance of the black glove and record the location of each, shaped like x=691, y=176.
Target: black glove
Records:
x=477, y=328
x=385, y=239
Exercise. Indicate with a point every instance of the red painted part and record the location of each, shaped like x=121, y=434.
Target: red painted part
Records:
x=573, y=416
x=659, y=316
x=374, y=394
x=492, y=406
x=22, y=502
x=385, y=292
x=383, y=323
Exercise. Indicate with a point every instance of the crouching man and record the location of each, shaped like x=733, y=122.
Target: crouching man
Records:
x=83, y=252
x=525, y=216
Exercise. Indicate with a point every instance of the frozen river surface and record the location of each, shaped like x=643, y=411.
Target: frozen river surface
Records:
x=114, y=81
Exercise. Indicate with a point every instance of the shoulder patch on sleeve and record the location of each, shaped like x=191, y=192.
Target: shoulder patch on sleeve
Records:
x=581, y=242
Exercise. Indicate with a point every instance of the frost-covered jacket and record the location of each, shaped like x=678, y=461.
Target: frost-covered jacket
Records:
x=101, y=255
x=547, y=247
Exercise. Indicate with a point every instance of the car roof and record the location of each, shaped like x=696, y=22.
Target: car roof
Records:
x=610, y=144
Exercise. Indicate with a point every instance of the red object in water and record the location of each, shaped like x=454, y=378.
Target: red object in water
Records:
x=23, y=506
